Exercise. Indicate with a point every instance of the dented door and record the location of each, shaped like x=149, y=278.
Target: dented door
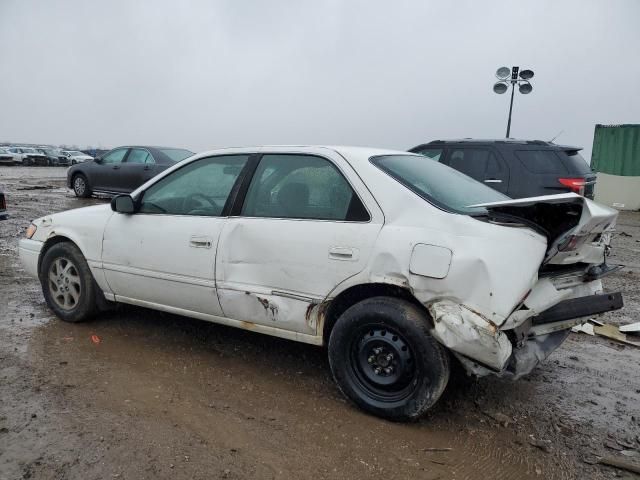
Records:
x=273, y=264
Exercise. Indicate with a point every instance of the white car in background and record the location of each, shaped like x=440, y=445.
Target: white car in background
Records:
x=28, y=156
x=76, y=156
x=8, y=158
x=400, y=265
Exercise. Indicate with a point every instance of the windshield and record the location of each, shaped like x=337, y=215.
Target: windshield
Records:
x=438, y=184
x=29, y=150
x=176, y=154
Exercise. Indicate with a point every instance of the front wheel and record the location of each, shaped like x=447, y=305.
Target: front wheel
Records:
x=81, y=186
x=384, y=359
x=67, y=283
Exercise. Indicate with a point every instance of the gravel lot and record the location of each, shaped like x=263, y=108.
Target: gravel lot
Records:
x=162, y=396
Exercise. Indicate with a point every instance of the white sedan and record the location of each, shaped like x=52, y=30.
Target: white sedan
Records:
x=76, y=156
x=399, y=264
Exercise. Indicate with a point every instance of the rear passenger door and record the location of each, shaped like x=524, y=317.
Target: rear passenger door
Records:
x=481, y=164
x=307, y=223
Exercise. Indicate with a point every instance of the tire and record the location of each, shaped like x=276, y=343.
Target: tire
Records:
x=384, y=360
x=68, y=286
x=80, y=186
x=27, y=162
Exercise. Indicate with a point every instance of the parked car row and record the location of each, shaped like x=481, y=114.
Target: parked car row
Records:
x=42, y=156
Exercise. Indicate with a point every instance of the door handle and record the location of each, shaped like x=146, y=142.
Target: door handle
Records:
x=147, y=167
x=197, y=241
x=343, y=253
x=492, y=180
x=116, y=167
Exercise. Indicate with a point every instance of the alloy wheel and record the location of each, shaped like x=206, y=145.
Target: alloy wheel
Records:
x=79, y=185
x=64, y=283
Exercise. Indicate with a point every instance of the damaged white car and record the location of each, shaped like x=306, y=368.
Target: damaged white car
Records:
x=399, y=264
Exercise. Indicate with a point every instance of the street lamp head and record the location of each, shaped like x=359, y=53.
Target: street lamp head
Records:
x=526, y=74
x=503, y=73
x=500, y=87
x=525, y=88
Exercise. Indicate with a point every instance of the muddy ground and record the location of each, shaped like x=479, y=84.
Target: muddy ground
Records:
x=162, y=396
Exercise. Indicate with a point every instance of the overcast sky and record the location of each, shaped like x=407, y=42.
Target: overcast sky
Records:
x=201, y=74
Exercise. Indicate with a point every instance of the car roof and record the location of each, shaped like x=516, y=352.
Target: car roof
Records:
x=498, y=141
x=352, y=153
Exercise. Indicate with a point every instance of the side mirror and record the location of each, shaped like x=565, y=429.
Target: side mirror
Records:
x=123, y=204
x=97, y=160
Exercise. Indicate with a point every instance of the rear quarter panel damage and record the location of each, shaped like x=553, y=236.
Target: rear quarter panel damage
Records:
x=469, y=274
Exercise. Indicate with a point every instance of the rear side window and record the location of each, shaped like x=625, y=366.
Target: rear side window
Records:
x=137, y=155
x=541, y=161
x=304, y=187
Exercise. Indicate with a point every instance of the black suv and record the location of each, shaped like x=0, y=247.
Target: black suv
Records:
x=517, y=168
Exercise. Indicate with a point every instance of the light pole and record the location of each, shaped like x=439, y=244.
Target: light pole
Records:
x=524, y=86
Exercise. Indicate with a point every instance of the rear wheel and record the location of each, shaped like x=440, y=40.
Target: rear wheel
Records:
x=384, y=359
x=81, y=186
x=67, y=283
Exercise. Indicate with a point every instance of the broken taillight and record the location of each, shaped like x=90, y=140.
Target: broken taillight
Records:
x=572, y=242
x=575, y=184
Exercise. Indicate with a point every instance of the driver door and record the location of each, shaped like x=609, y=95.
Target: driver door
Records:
x=164, y=255
x=103, y=174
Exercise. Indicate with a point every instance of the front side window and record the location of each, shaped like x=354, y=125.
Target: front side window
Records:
x=113, y=157
x=138, y=155
x=199, y=188
x=303, y=187
x=445, y=187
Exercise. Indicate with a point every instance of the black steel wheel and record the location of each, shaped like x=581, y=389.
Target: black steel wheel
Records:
x=384, y=359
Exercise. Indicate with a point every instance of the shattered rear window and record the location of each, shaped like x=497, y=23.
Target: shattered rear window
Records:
x=440, y=185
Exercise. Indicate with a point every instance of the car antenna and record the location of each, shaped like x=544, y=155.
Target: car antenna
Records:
x=559, y=133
